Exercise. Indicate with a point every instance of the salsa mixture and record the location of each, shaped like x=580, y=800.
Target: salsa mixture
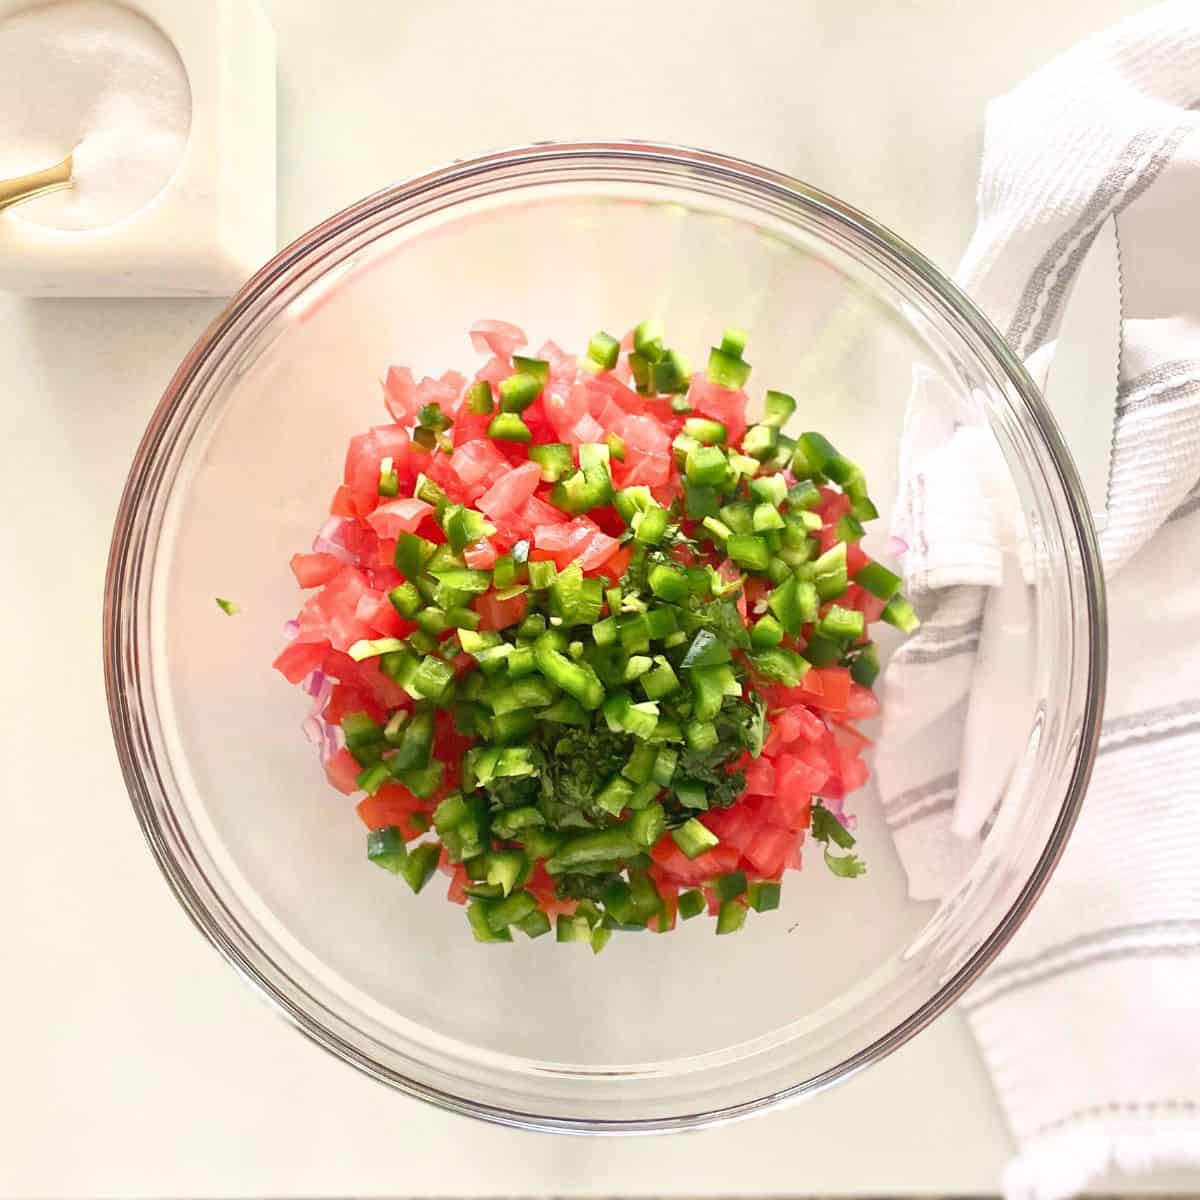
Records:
x=589, y=642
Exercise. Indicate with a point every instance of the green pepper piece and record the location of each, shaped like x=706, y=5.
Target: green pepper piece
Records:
x=732, y=917
x=693, y=838
x=386, y=849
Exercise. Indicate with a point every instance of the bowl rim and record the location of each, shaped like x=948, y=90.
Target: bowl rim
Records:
x=630, y=152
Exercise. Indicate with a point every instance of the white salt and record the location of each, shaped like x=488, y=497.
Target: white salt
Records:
x=99, y=80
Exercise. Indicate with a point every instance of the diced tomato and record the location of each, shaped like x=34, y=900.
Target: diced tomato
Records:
x=400, y=395
x=861, y=703
x=615, y=567
x=595, y=549
x=456, y=893
x=721, y=404
x=376, y=611
x=394, y=517
x=347, y=699
x=363, y=456
x=499, y=614
x=848, y=738
x=297, y=660
x=367, y=678
x=792, y=860
x=564, y=409
x=827, y=688
x=470, y=427
x=478, y=462
x=453, y=381
x=342, y=504
x=760, y=778
x=717, y=861
x=769, y=850
x=586, y=430
x=854, y=772
x=391, y=805
x=343, y=590
x=554, y=538
x=438, y=468
x=537, y=512
x=497, y=337
x=385, y=562
x=313, y=570
x=790, y=808
x=856, y=558
x=859, y=598
x=495, y=370
x=644, y=436
x=735, y=826
x=800, y=723
x=480, y=555
x=510, y=492
x=564, y=367
x=803, y=773
x=835, y=506
x=343, y=771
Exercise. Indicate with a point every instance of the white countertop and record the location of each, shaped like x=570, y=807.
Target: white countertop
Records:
x=136, y=1064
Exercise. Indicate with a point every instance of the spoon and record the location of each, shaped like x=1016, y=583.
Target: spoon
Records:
x=38, y=183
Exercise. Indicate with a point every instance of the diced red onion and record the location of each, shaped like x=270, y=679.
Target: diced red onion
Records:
x=895, y=547
x=291, y=630
x=328, y=541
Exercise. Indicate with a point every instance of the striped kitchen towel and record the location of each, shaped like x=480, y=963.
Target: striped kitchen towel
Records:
x=1090, y=1019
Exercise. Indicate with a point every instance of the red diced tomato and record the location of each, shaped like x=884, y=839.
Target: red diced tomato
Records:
x=497, y=337
x=789, y=808
x=760, y=778
x=480, y=555
x=834, y=507
x=510, y=492
x=376, y=611
x=827, y=687
x=313, y=570
x=391, y=805
x=848, y=738
x=399, y=395
x=456, y=893
x=805, y=772
x=394, y=517
x=478, y=461
x=855, y=772
x=769, y=850
x=499, y=614
x=494, y=371
x=297, y=660
x=342, y=504
x=856, y=558
x=564, y=409
x=347, y=699
x=343, y=771
x=720, y=404
x=861, y=703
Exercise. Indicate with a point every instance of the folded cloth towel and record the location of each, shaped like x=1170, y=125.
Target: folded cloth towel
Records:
x=1090, y=1019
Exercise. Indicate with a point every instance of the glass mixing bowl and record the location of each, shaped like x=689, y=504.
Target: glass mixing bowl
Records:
x=234, y=474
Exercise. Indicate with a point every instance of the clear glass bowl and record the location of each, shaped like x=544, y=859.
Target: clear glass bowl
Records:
x=233, y=476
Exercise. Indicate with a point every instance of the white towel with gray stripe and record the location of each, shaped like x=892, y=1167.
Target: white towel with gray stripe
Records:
x=1090, y=1019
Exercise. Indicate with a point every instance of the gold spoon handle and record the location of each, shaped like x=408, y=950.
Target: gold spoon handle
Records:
x=25, y=187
